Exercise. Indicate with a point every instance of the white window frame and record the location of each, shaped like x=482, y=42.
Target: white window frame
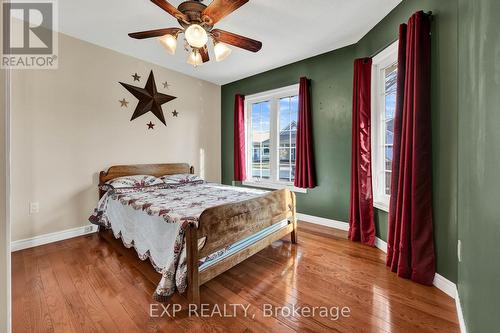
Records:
x=384, y=59
x=273, y=96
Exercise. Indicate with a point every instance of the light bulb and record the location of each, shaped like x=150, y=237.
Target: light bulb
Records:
x=196, y=36
x=222, y=51
x=195, y=58
x=169, y=42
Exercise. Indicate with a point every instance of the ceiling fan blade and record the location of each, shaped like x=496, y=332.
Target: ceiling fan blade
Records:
x=221, y=8
x=204, y=53
x=154, y=33
x=166, y=6
x=237, y=40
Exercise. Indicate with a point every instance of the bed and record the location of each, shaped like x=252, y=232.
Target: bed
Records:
x=193, y=230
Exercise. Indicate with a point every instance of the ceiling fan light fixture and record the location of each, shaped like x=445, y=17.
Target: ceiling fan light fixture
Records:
x=197, y=22
x=195, y=58
x=169, y=42
x=222, y=51
x=196, y=36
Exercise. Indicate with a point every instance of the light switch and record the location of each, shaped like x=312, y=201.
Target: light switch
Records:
x=34, y=208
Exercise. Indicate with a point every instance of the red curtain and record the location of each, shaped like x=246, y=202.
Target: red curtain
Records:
x=361, y=225
x=304, y=162
x=239, y=138
x=410, y=247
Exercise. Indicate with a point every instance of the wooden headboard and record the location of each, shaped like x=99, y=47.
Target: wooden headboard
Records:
x=156, y=170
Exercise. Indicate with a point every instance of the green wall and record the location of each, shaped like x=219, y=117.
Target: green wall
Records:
x=444, y=88
x=479, y=164
x=331, y=85
x=331, y=75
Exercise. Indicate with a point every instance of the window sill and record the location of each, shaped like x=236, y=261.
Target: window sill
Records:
x=381, y=205
x=274, y=186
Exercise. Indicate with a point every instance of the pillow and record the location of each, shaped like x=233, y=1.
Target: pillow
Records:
x=131, y=181
x=181, y=178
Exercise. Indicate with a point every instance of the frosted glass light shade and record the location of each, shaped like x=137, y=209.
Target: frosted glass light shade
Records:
x=195, y=59
x=196, y=36
x=222, y=51
x=169, y=42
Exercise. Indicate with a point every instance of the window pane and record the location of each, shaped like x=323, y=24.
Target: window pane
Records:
x=294, y=107
x=388, y=183
x=260, y=138
x=288, y=117
x=390, y=109
x=390, y=106
x=391, y=77
x=390, y=85
x=389, y=134
x=388, y=158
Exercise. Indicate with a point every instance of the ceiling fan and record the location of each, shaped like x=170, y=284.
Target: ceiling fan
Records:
x=197, y=21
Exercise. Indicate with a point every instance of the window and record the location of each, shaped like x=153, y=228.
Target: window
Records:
x=271, y=130
x=260, y=135
x=384, y=79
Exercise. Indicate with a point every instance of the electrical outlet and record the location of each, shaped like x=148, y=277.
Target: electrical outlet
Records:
x=459, y=250
x=34, y=208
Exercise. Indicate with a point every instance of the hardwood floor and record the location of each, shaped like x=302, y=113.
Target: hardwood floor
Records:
x=93, y=283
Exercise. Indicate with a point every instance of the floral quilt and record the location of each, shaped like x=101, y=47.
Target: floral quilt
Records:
x=181, y=204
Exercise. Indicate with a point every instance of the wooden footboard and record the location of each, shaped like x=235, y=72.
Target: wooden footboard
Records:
x=224, y=225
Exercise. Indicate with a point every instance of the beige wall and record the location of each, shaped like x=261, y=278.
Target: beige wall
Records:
x=4, y=228
x=67, y=125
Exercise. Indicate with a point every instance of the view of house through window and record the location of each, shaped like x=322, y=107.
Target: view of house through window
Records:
x=288, y=116
x=271, y=135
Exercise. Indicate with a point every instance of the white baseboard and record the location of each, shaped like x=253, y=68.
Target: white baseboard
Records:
x=381, y=244
x=323, y=221
x=52, y=237
x=439, y=282
x=451, y=290
x=445, y=285
x=461, y=320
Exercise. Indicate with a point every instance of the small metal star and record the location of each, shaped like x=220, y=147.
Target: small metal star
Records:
x=166, y=85
x=175, y=113
x=136, y=77
x=123, y=103
x=150, y=125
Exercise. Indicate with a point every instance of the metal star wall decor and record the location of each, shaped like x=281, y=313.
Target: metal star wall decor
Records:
x=149, y=99
x=123, y=103
x=166, y=85
x=150, y=125
x=136, y=77
x=175, y=113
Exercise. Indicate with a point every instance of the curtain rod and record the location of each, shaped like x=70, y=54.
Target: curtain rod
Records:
x=428, y=14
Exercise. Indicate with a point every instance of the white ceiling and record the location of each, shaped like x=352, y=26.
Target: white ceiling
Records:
x=290, y=30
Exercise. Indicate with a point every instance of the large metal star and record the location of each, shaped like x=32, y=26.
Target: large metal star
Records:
x=149, y=99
